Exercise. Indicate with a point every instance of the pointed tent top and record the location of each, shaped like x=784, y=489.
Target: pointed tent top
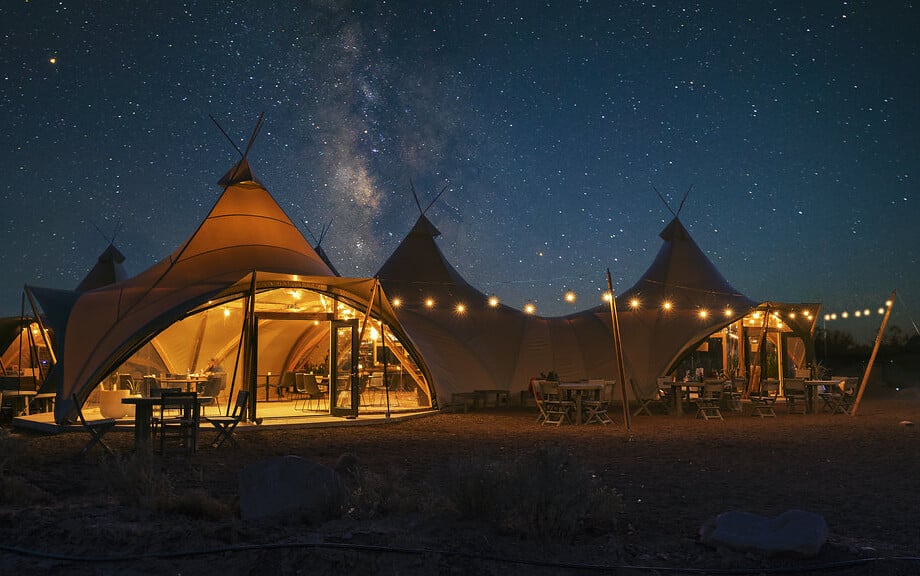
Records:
x=424, y=227
x=108, y=270
x=674, y=231
x=241, y=172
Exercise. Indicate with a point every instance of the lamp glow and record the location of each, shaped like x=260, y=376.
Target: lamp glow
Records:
x=397, y=302
x=529, y=308
x=429, y=302
x=493, y=301
x=667, y=305
x=570, y=296
x=634, y=303
x=461, y=308
x=704, y=314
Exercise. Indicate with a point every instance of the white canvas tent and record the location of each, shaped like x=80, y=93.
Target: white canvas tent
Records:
x=246, y=243
x=480, y=346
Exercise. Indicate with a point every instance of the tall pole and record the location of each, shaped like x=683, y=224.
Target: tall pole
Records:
x=618, y=351
x=878, y=342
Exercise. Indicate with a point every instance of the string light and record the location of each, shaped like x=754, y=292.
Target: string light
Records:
x=397, y=302
x=570, y=296
x=429, y=303
x=704, y=314
x=493, y=301
x=667, y=305
x=529, y=308
x=461, y=308
x=634, y=303
x=607, y=297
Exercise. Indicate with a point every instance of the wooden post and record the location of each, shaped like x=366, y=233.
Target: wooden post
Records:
x=878, y=342
x=618, y=350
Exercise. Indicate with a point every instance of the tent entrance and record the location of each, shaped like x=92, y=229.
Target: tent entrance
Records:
x=344, y=393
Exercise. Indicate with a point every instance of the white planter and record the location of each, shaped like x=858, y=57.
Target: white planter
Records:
x=110, y=403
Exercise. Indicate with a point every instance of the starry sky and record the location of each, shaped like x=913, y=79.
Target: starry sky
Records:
x=549, y=124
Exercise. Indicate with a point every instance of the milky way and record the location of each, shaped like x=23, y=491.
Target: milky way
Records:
x=549, y=125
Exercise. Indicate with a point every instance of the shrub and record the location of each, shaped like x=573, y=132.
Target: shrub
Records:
x=545, y=496
x=138, y=481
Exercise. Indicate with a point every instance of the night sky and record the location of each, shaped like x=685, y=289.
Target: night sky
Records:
x=551, y=123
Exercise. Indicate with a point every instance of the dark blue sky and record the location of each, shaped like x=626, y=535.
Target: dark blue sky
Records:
x=552, y=123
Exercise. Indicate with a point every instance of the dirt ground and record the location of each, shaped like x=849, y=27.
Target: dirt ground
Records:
x=60, y=513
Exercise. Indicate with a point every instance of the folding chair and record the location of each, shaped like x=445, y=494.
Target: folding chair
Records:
x=225, y=425
x=555, y=409
x=180, y=415
x=762, y=402
x=794, y=392
x=709, y=404
x=95, y=428
x=596, y=410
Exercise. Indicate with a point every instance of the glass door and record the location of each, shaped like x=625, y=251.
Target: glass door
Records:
x=343, y=370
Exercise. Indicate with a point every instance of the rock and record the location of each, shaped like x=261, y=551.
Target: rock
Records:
x=290, y=486
x=795, y=532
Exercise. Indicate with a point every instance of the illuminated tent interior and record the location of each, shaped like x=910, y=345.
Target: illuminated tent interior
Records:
x=176, y=315
x=683, y=314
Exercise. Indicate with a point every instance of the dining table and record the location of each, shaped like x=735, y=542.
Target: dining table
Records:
x=813, y=389
x=577, y=391
x=143, y=416
x=678, y=389
x=189, y=382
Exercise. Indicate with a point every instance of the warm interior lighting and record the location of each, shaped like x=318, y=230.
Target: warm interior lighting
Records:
x=530, y=308
x=756, y=315
x=374, y=334
x=570, y=296
x=792, y=314
x=226, y=312
x=493, y=301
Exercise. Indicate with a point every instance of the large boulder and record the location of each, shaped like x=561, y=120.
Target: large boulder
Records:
x=794, y=532
x=290, y=486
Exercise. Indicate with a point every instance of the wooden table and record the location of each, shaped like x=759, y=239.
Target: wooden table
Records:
x=811, y=392
x=677, y=391
x=143, y=416
x=186, y=381
x=25, y=395
x=501, y=396
x=577, y=390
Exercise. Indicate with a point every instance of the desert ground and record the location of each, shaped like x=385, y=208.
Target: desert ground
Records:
x=178, y=514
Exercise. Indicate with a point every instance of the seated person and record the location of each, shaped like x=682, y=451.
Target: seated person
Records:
x=213, y=367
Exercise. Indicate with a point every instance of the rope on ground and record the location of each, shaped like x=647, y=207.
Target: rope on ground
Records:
x=827, y=566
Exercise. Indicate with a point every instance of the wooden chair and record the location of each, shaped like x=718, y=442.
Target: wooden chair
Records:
x=763, y=401
x=556, y=409
x=536, y=389
x=659, y=398
x=596, y=410
x=96, y=429
x=794, y=392
x=839, y=398
x=180, y=415
x=709, y=403
x=225, y=425
x=212, y=388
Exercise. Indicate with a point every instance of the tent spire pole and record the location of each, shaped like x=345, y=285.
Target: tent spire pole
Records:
x=618, y=350
x=878, y=342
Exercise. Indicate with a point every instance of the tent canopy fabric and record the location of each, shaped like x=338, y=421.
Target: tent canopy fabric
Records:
x=245, y=231
x=681, y=299
x=109, y=269
x=484, y=346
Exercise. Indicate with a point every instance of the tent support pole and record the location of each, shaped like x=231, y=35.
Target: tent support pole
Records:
x=878, y=342
x=618, y=350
